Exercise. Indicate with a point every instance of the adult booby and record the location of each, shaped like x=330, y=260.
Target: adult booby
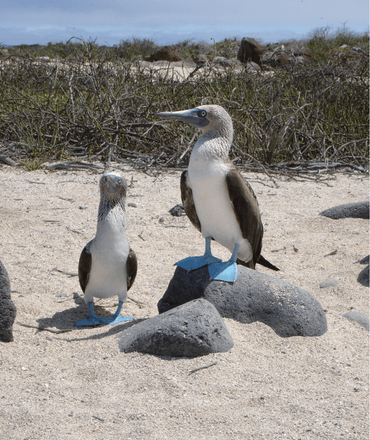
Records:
x=107, y=265
x=219, y=203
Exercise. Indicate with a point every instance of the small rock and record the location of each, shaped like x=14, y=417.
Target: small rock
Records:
x=8, y=310
x=254, y=296
x=178, y=210
x=329, y=283
x=132, y=205
x=355, y=210
x=359, y=317
x=365, y=260
x=363, y=276
x=193, y=329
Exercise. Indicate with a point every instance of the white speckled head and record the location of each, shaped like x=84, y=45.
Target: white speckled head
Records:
x=215, y=124
x=113, y=185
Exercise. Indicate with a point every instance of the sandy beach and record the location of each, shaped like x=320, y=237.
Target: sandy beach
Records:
x=78, y=385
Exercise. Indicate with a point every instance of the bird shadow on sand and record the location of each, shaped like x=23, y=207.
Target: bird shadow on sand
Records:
x=110, y=331
x=67, y=319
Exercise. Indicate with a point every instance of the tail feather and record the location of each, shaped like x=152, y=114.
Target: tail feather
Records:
x=263, y=262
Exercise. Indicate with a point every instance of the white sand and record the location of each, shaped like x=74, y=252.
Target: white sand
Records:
x=77, y=385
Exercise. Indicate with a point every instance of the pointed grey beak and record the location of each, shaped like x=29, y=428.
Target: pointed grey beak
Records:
x=196, y=117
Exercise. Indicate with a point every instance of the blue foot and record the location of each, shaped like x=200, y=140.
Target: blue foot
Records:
x=121, y=319
x=90, y=321
x=96, y=320
x=227, y=271
x=192, y=263
x=116, y=318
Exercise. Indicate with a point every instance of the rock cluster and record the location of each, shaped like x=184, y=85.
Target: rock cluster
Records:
x=254, y=296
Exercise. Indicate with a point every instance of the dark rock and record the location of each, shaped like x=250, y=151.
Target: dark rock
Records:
x=365, y=260
x=254, y=296
x=249, y=50
x=355, y=210
x=178, y=210
x=167, y=53
x=329, y=283
x=359, y=317
x=7, y=308
x=193, y=329
x=363, y=277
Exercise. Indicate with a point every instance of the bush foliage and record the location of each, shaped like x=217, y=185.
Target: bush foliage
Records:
x=102, y=103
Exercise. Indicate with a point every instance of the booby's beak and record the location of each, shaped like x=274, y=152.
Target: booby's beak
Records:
x=196, y=117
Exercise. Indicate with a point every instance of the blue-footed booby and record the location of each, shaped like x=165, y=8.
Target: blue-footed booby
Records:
x=219, y=203
x=107, y=265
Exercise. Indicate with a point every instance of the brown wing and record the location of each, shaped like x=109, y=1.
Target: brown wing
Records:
x=131, y=268
x=84, y=266
x=188, y=201
x=247, y=212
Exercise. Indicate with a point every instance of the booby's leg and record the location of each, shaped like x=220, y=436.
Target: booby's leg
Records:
x=116, y=318
x=227, y=271
x=96, y=320
x=192, y=263
x=92, y=320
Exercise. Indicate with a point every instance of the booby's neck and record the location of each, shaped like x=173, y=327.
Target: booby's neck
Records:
x=215, y=142
x=112, y=211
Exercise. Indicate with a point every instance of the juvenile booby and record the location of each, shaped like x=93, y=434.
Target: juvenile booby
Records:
x=219, y=203
x=107, y=265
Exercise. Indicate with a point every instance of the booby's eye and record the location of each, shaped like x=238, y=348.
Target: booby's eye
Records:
x=203, y=113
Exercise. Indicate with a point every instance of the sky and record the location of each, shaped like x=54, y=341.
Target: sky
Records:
x=169, y=21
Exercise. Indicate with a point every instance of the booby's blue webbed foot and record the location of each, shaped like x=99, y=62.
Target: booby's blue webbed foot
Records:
x=116, y=318
x=96, y=320
x=227, y=271
x=192, y=263
x=121, y=319
x=92, y=320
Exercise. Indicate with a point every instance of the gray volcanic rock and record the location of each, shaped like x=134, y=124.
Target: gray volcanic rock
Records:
x=254, y=296
x=355, y=210
x=359, y=317
x=328, y=283
x=7, y=308
x=363, y=276
x=193, y=329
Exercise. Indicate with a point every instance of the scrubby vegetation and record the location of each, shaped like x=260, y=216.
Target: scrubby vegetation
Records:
x=100, y=102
